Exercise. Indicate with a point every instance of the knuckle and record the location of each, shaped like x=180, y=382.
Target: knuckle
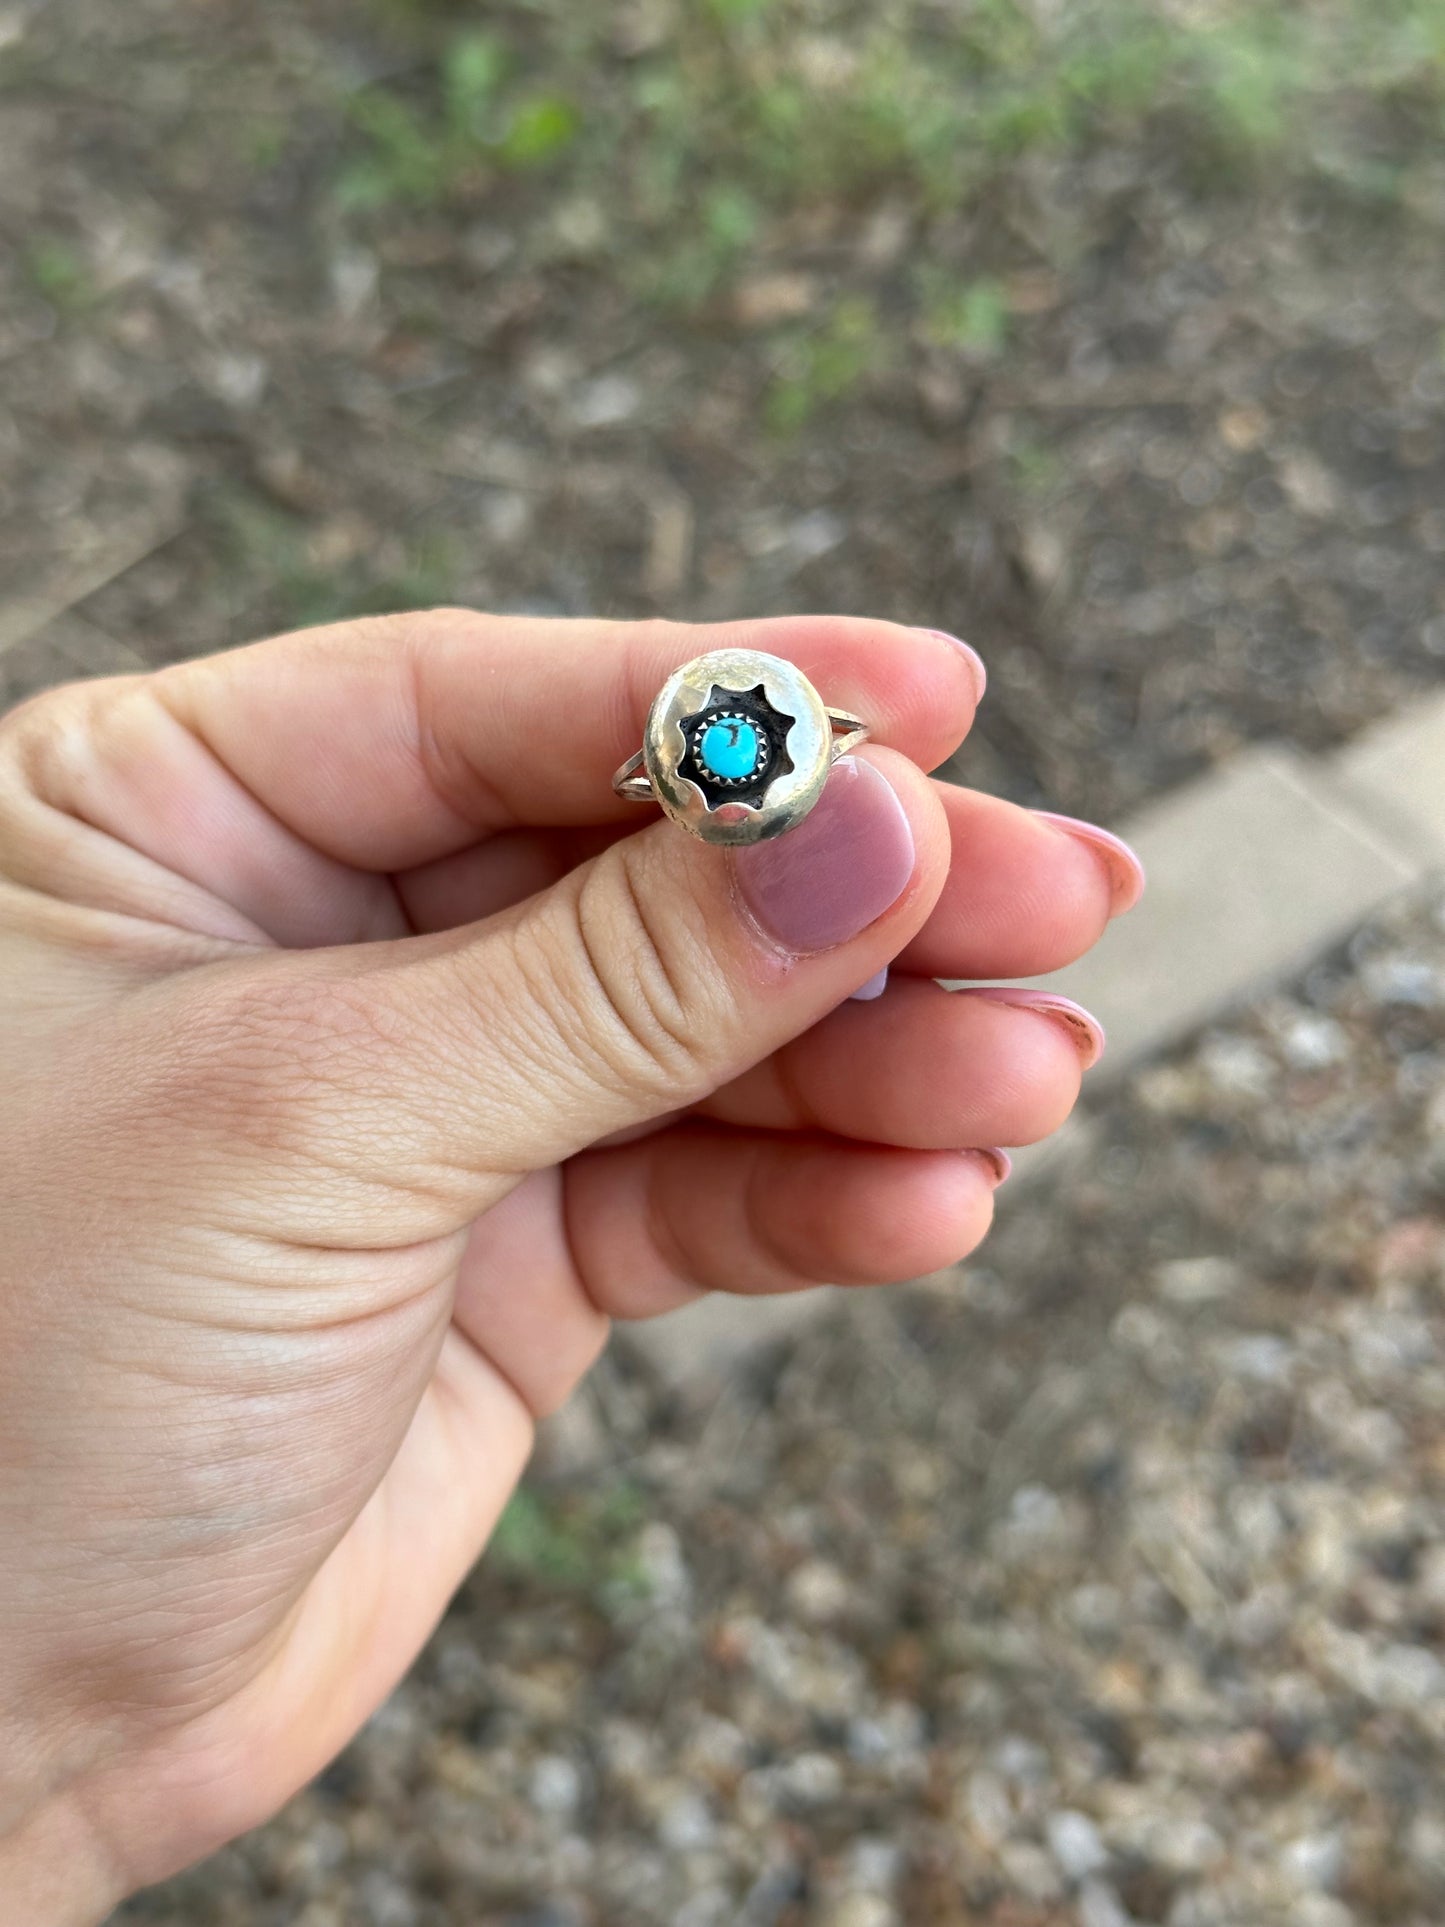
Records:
x=634, y=993
x=46, y=732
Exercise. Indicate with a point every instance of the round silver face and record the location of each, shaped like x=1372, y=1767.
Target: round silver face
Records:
x=738, y=746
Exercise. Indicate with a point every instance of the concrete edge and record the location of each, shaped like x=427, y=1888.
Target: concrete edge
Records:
x=1283, y=853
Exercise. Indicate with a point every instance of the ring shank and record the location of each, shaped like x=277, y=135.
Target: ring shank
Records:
x=635, y=787
x=849, y=731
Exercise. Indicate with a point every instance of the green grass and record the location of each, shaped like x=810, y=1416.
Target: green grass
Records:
x=265, y=543
x=740, y=125
x=478, y=119
x=583, y=1542
x=781, y=101
x=59, y=271
x=825, y=364
x=972, y=316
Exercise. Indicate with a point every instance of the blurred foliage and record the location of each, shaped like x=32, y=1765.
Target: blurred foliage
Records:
x=307, y=584
x=679, y=146
x=476, y=118
x=969, y=315
x=583, y=1541
x=825, y=363
x=58, y=270
x=711, y=120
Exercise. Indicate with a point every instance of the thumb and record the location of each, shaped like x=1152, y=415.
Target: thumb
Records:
x=635, y=986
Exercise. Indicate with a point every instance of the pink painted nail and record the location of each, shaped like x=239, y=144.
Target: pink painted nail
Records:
x=1000, y=1165
x=873, y=989
x=977, y=667
x=1125, y=871
x=1086, y=1033
x=845, y=864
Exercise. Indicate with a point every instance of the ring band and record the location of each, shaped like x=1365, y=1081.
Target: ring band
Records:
x=737, y=747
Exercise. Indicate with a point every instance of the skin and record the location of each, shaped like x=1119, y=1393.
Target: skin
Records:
x=357, y=1075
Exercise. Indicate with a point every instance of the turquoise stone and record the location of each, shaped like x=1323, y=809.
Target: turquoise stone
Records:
x=730, y=749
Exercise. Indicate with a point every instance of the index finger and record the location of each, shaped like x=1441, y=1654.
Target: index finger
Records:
x=388, y=743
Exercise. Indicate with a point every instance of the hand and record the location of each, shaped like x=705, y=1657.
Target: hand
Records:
x=362, y=1058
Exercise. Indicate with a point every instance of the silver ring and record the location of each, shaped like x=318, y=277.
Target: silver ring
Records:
x=737, y=748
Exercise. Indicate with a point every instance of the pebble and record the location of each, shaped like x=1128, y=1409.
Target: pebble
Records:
x=1197, y=1281
x=1237, y=1066
x=1314, y=1859
x=1312, y=1043
x=1075, y=1843
x=556, y=1785
x=860, y=1910
x=874, y=1864
x=686, y=1823
x=818, y=1593
x=1393, y=979
x=1100, y=1906
x=605, y=402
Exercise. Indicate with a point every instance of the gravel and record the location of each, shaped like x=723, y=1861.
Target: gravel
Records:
x=1101, y=1583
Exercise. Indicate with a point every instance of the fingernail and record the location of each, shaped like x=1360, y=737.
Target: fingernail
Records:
x=998, y=1164
x=843, y=866
x=1125, y=871
x=1085, y=1032
x=978, y=669
x=874, y=987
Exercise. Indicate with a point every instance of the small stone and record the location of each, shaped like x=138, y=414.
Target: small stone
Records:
x=1184, y=1845
x=1315, y=1860
x=1100, y=1906
x=1197, y=1281
x=1425, y=1844
x=875, y=1864
x=815, y=533
x=1021, y=1760
x=385, y=1902
x=1030, y=1869
x=1430, y=1580
x=767, y=299
x=606, y=402
x=663, y=1564
x=686, y=1823
x=810, y=1780
x=556, y=1785
x=1321, y=1910
x=1036, y=1516
x=1311, y=1043
x=1410, y=981
x=893, y=1739
x=861, y=1910
x=506, y=516
x=818, y=1593
x=1075, y=1844
x=990, y=1809
x=355, y=277
x=709, y=1907
x=1261, y=1356
x=1237, y=1066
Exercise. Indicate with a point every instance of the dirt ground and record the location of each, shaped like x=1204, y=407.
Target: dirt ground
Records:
x=1138, y=385
x=1104, y=1585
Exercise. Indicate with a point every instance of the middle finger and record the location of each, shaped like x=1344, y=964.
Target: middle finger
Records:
x=923, y=1068
x=1024, y=894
